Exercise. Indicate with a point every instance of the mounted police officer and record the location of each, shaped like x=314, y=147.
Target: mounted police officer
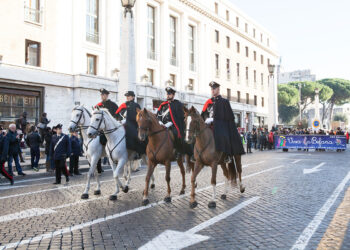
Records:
x=60, y=150
x=126, y=113
x=112, y=108
x=171, y=115
x=218, y=113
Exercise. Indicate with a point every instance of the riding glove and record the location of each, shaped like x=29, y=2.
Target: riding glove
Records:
x=209, y=120
x=123, y=121
x=168, y=124
x=161, y=123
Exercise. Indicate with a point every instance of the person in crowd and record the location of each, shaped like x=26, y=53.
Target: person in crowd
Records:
x=33, y=141
x=262, y=140
x=42, y=126
x=347, y=137
x=3, y=158
x=11, y=149
x=60, y=150
x=249, y=142
x=255, y=138
x=49, y=161
x=271, y=140
x=21, y=123
x=74, y=158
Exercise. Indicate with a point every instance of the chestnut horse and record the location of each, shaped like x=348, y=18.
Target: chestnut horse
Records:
x=206, y=155
x=160, y=150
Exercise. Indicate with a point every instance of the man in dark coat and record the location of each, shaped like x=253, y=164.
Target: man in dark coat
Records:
x=126, y=113
x=3, y=159
x=49, y=162
x=21, y=123
x=217, y=111
x=76, y=151
x=33, y=141
x=60, y=150
x=171, y=115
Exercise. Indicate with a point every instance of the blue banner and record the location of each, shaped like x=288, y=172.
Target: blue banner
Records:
x=311, y=141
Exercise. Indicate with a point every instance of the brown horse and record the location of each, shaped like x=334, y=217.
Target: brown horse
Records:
x=160, y=150
x=206, y=155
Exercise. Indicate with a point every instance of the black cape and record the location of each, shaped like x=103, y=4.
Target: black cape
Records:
x=176, y=116
x=227, y=138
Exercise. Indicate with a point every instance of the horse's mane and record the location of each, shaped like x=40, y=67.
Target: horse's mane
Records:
x=114, y=121
x=149, y=114
x=194, y=112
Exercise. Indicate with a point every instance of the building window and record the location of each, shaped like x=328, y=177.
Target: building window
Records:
x=228, y=42
x=191, y=47
x=261, y=37
x=172, y=80
x=151, y=45
x=237, y=21
x=190, y=84
x=238, y=96
x=246, y=27
x=254, y=55
x=238, y=47
x=217, y=36
x=92, y=21
x=246, y=52
x=91, y=64
x=262, y=102
x=246, y=73
x=227, y=15
x=229, y=94
x=228, y=70
x=255, y=100
x=217, y=65
x=254, y=32
x=32, y=11
x=247, y=98
x=216, y=8
x=237, y=66
x=254, y=76
x=33, y=53
x=150, y=74
x=268, y=42
x=262, y=78
x=262, y=59
x=173, y=60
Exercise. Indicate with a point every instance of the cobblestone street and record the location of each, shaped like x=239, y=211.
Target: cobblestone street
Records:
x=292, y=200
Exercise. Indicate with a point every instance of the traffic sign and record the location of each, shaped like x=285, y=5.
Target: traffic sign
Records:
x=316, y=123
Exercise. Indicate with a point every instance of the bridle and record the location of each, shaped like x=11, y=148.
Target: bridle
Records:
x=80, y=116
x=107, y=131
x=146, y=129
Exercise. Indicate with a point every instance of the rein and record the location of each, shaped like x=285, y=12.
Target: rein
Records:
x=81, y=115
x=197, y=134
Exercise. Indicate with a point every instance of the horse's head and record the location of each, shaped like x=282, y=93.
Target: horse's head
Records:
x=192, y=122
x=97, y=123
x=144, y=123
x=77, y=118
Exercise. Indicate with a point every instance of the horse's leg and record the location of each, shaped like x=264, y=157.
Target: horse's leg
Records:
x=238, y=163
x=226, y=174
x=167, y=178
x=127, y=177
x=92, y=163
x=152, y=182
x=182, y=170
x=212, y=203
x=115, y=176
x=150, y=170
x=197, y=168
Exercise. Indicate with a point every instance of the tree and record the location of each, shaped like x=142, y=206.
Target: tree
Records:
x=287, y=95
x=340, y=117
x=287, y=113
x=341, y=92
x=307, y=92
x=325, y=93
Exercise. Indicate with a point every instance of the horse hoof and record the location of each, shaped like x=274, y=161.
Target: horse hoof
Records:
x=223, y=197
x=167, y=199
x=145, y=202
x=193, y=204
x=97, y=192
x=113, y=198
x=126, y=189
x=242, y=189
x=153, y=186
x=85, y=196
x=212, y=204
x=182, y=192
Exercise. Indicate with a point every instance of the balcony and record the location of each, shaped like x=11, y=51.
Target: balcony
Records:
x=152, y=55
x=93, y=37
x=192, y=67
x=173, y=61
x=32, y=15
x=217, y=73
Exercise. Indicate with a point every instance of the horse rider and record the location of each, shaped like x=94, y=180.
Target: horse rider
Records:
x=112, y=108
x=126, y=113
x=171, y=115
x=60, y=150
x=217, y=112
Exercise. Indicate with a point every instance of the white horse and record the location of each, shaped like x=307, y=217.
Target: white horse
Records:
x=102, y=121
x=92, y=147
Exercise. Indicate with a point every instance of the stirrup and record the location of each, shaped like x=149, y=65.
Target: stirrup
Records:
x=227, y=159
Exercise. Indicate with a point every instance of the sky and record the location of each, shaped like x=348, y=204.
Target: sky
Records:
x=310, y=34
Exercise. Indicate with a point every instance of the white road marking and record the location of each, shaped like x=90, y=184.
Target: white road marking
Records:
x=170, y=239
x=296, y=161
x=250, y=164
x=26, y=214
x=314, y=169
x=70, y=229
x=308, y=232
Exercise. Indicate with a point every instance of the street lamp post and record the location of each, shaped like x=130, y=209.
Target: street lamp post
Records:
x=299, y=85
x=127, y=79
x=271, y=68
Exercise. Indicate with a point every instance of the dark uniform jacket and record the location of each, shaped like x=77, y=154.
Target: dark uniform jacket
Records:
x=33, y=140
x=63, y=149
x=128, y=111
x=227, y=138
x=111, y=106
x=1, y=145
x=75, y=144
x=47, y=138
x=173, y=112
x=10, y=145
